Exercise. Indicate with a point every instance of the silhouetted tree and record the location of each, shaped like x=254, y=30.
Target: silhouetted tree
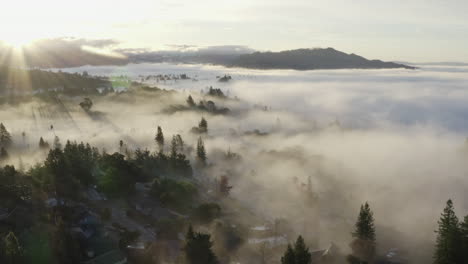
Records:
x=363, y=245
x=43, y=144
x=190, y=101
x=3, y=153
x=5, y=137
x=224, y=187
x=57, y=144
x=198, y=248
x=449, y=241
x=160, y=139
x=301, y=252
x=288, y=257
x=201, y=153
x=464, y=237
x=298, y=255
x=180, y=143
x=203, y=126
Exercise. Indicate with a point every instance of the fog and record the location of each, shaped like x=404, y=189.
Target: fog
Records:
x=395, y=138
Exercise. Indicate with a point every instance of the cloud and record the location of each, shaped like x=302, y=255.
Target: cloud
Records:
x=65, y=52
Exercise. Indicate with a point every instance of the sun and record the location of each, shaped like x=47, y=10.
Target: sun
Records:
x=17, y=42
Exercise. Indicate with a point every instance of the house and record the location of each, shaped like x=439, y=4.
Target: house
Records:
x=327, y=256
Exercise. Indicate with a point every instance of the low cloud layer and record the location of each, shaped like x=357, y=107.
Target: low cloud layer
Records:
x=395, y=138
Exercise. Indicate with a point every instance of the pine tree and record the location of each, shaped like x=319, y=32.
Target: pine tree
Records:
x=301, y=252
x=190, y=101
x=198, y=248
x=174, y=147
x=363, y=245
x=464, y=238
x=160, y=139
x=365, y=229
x=5, y=137
x=448, y=244
x=43, y=144
x=203, y=125
x=57, y=144
x=288, y=257
x=3, y=153
x=180, y=143
x=12, y=249
x=201, y=153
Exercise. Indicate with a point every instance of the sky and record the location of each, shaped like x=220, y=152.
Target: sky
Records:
x=397, y=30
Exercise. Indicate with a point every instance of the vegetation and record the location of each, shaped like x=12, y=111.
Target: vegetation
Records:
x=449, y=243
x=5, y=137
x=298, y=255
x=198, y=248
x=160, y=139
x=173, y=193
x=363, y=245
x=201, y=153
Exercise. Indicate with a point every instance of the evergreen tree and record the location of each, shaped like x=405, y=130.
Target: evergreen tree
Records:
x=180, y=143
x=301, y=252
x=288, y=257
x=3, y=153
x=160, y=139
x=203, y=125
x=449, y=240
x=57, y=144
x=43, y=144
x=198, y=248
x=201, y=153
x=464, y=237
x=363, y=245
x=365, y=229
x=190, y=101
x=12, y=248
x=174, y=147
x=5, y=137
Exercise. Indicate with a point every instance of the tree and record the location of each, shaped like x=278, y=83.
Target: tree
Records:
x=160, y=139
x=448, y=248
x=288, y=257
x=363, y=245
x=224, y=187
x=198, y=248
x=203, y=125
x=57, y=144
x=464, y=238
x=174, y=147
x=301, y=252
x=180, y=143
x=298, y=255
x=201, y=153
x=119, y=175
x=3, y=153
x=12, y=248
x=43, y=144
x=190, y=101
x=5, y=137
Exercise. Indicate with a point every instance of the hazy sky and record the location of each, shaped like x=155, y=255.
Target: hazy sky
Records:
x=411, y=30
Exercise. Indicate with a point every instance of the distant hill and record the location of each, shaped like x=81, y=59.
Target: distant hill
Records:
x=21, y=81
x=310, y=59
